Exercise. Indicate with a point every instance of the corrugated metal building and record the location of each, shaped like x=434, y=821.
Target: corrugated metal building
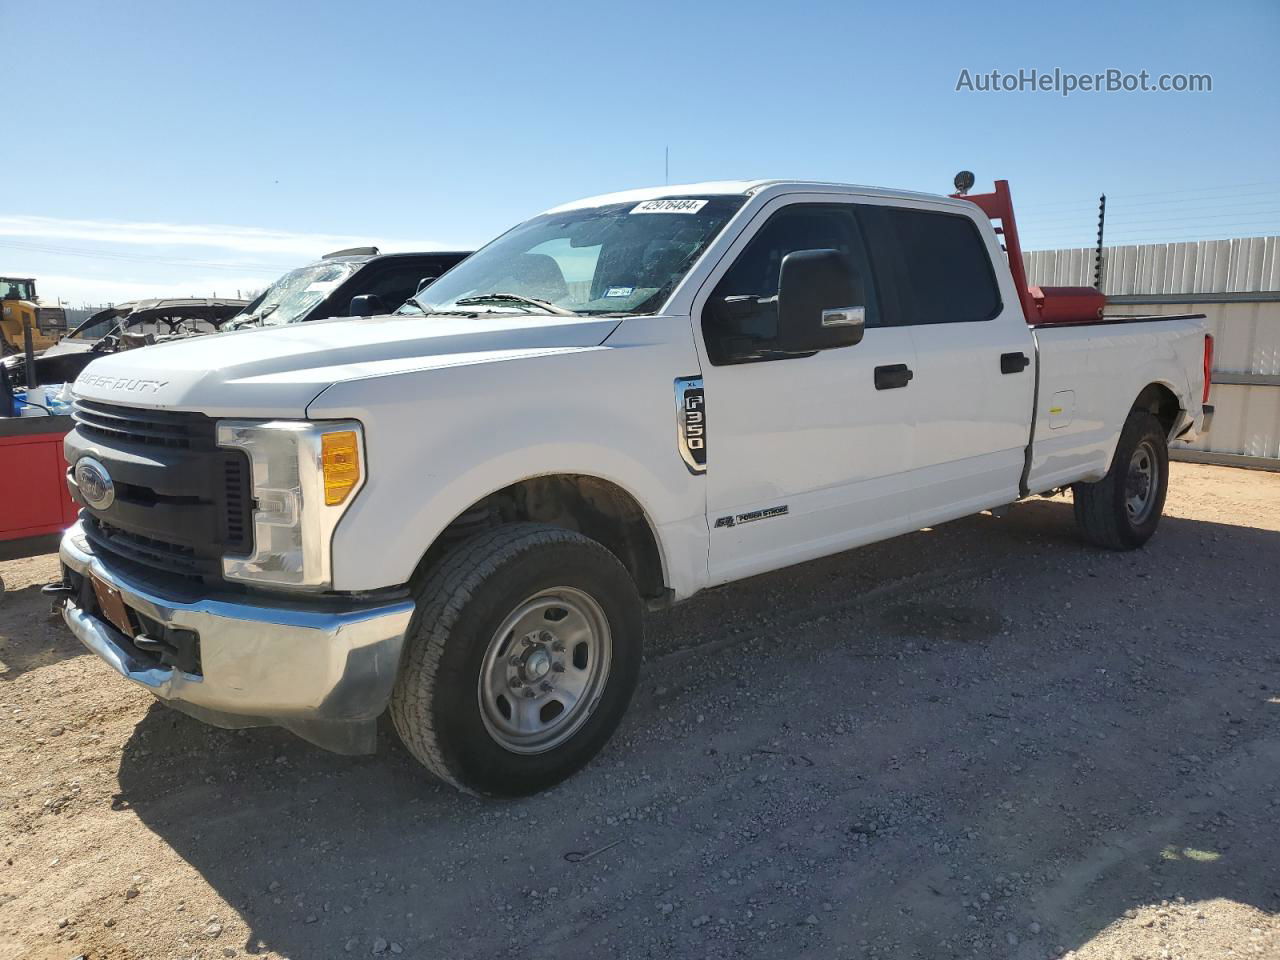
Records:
x=1236, y=284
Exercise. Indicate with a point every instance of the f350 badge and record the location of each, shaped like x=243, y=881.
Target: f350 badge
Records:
x=691, y=423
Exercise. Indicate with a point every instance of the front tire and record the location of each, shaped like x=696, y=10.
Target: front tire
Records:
x=1122, y=510
x=521, y=660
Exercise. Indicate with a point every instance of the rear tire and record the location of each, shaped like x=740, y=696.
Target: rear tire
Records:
x=521, y=660
x=1122, y=510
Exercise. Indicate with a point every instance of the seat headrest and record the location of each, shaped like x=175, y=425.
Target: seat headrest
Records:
x=539, y=276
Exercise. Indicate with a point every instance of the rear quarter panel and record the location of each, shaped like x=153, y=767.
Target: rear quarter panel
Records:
x=1090, y=376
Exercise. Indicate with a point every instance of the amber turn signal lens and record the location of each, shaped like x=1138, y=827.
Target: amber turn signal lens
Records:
x=340, y=460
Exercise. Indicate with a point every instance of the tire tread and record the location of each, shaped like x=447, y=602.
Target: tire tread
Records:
x=443, y=596
x=1098, y=506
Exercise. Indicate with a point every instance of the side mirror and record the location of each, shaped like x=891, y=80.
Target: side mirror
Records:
x=424, y=283
x=367, y=305
x=819, y=304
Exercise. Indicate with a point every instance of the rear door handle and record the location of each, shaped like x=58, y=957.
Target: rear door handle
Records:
x=1014, y=362
x=893, y=376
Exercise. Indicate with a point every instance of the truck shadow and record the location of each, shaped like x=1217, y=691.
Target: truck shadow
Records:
x=970, y=711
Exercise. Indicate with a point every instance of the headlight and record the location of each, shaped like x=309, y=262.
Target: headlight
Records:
x=305, y=475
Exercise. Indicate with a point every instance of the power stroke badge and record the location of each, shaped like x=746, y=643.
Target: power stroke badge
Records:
x=691, y=423
x=767, y=513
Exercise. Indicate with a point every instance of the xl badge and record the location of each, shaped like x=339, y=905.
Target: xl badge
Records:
x=691, y=423
x=96, y=488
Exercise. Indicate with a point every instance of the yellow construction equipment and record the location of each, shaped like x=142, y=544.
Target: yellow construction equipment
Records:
x=18, y=311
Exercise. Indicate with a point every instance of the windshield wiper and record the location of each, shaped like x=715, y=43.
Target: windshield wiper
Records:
x=545, y=305
x=429, y=311
x=259, y=317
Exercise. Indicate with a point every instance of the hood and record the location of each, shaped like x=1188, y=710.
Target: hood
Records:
x=277, y=371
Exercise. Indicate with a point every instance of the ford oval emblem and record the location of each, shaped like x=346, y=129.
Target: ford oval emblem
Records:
x=96, y=488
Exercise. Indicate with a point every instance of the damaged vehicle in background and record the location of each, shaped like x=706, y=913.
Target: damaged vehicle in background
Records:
x=358, y=281
x=126, y=326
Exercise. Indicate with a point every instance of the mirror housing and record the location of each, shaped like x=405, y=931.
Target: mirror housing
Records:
x=819, y=306
x=424, y=283
x=366, y=305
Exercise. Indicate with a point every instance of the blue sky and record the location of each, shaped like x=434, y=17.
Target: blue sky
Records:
x=191, y=147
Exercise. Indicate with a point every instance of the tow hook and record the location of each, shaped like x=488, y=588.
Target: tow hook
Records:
x=59, y=593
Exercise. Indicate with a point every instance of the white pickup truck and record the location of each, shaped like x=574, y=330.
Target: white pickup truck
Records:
x=459, y=512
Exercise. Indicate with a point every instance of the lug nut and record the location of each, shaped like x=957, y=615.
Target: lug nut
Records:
x=514, y=661
x=530, y=694
x=558, y=667
x=546, y=637
x=516, y=683
x=558, y=647
x=546, y=687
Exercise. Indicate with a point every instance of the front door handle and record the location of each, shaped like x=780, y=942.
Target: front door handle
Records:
x=893, y=376
x=1014, y=362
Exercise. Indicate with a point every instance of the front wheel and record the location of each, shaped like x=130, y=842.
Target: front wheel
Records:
x=1122, y=510
x=521, y=661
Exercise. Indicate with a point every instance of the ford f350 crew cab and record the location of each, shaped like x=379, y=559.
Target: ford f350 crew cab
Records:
x=459, y=512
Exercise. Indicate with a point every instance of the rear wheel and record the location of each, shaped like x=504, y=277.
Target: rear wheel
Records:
x=1122, y=510
x=521, y=661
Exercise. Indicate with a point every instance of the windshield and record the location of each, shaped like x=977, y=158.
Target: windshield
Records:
x=297, y=292
x=620, y=258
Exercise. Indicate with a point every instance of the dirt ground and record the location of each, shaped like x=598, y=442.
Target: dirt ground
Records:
x=985, y=740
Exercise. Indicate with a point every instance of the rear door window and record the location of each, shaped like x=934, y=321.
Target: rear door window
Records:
x=933, y=266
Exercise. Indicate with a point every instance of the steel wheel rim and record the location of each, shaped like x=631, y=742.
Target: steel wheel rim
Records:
x=1141, y=483
x=544, y=670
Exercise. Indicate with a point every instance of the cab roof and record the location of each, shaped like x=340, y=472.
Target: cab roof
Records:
x=747, y=188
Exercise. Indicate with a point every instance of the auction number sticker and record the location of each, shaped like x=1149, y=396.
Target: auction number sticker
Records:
x=669, y=206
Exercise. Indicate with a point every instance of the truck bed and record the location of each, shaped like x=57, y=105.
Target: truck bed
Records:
x=1088, y=375
x=1115, y=319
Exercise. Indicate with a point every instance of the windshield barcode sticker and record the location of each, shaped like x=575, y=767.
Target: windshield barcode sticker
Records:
x=669, y=206
x=619, y=291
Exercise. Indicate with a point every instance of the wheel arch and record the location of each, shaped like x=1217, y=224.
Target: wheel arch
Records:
x=594, y=506
x=1159, y=399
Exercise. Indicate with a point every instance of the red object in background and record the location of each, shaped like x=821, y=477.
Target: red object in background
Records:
x=998, y=205
x=1040, y=305
x=34, y=500
x=1208, y=367
x=1068, y=304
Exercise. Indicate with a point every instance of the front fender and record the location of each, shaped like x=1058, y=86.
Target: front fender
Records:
x=439, y=440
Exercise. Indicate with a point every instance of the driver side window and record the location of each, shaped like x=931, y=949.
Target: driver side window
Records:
x=740, y=320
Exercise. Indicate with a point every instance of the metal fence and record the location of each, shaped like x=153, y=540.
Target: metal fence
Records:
x=1236, y=284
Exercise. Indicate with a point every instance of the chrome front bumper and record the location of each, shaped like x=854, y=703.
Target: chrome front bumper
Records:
x=324, y=675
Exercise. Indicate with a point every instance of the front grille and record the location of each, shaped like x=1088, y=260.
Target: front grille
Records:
x=172, y=558
x=157, y=428
x=237, y=503
x=182, y=502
